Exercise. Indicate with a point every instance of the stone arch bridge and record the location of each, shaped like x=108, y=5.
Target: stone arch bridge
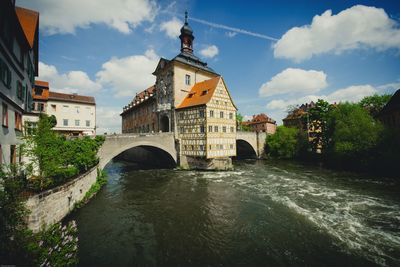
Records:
x=116, y=144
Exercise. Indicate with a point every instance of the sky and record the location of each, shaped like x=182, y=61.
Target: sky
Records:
x=272, y=54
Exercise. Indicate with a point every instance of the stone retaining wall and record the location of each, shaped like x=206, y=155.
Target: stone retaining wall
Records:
x=53, y=205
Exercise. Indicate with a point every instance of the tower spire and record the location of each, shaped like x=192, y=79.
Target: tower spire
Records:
x=186, y=37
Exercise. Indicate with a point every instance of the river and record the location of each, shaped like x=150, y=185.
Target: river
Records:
x=263, y=213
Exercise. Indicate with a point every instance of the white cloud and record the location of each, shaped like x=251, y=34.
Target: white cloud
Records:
x=129, y=75
x=389, y=88
x=231, y=34
x=294, y=81
x=172, y=27
x=66, y=16
x=356, y=27
x=210, y=51
x=108, y=120
x=70, y=82
x=352, y=93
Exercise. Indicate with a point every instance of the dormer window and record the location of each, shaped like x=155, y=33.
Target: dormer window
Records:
x=204, y=92
x=187, y=79
x=190, y=95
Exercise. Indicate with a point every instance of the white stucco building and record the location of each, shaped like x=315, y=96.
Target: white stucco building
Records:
x=19, y=29
x=75, y=114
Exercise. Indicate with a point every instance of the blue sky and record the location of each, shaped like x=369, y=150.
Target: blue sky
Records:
x=271, y=53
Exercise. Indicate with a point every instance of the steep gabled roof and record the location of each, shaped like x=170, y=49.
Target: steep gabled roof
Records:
x=202, y=92
x=29, y=21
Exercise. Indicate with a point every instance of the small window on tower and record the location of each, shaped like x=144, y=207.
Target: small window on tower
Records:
x=187, y=79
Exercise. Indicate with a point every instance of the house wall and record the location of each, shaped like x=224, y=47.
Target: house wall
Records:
x=221, y=143
x=192, y=131
x=73, y=112
x=141, y=118
x=16, y=76
x=181, y=89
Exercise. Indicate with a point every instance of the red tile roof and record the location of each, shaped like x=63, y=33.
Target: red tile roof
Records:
x=73, y=98
x=260, y=118
x=42, y=83
x=200, y=93
x=29, y=21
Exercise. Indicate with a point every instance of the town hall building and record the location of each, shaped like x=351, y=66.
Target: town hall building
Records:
x=191, y=100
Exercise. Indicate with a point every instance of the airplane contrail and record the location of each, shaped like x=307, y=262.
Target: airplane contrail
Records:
x=221, y=26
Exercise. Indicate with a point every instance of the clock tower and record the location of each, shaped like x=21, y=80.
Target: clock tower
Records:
x=186, y=37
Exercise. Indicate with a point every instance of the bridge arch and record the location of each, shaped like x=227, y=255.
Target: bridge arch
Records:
x=115, y=145
x=244, y=150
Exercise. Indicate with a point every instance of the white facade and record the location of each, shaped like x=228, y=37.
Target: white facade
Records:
x=73, y=117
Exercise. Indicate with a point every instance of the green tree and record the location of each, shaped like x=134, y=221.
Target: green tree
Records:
x=374, y=104
x=239, y=123
x=318, y=125
x=45, y=151
x=285, y=143
x=355, y=134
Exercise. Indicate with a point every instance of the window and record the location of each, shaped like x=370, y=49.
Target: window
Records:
x=5, y=74
x=201, y=128
x=232, y=129
x=224, y=129
x=231, y=116
x=210, y=128
x=182, y=130
x=5, y=115
x=87, y=123
x=187, y=79
x=65, y=122
x=18, y=121
x=54, y=107
x=201, y=147
x=211, y=113
x=77, y=122
x=210, y=147
x=13, y=154
x=221, y=114
x=204, y=92
x=231, y=146
x=181, y=115
x=40, y=106
x=190, y=95
x=19, y=90
x=38, y=91
x=77, y=109
x=30, y=127
x=201, y=113
x=216, y=129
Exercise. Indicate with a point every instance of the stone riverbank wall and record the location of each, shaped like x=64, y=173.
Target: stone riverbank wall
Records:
x=53, y=205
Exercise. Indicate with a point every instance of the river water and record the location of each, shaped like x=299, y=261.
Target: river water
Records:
x=261, y=214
